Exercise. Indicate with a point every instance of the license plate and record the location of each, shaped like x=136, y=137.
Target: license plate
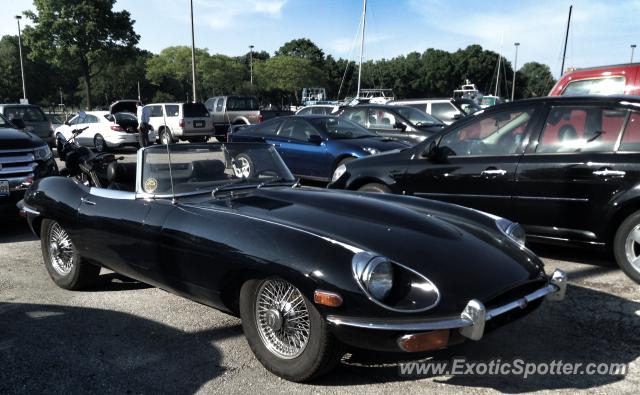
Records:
x=4, y=188
x=198, y=124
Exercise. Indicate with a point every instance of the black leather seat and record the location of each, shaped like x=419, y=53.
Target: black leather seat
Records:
x=122, y=176
x=208, y=170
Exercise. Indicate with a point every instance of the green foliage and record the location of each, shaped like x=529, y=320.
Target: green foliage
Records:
x=535, y=79
x=81, y=35
x=302, y=48
x=287, y=74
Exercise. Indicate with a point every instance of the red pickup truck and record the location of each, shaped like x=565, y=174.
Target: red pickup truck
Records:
x=619, y=79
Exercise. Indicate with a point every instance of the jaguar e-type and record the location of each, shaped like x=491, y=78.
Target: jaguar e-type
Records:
x=311, y=272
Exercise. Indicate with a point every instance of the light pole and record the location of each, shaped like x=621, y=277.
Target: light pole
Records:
x=251, y=65
x=515, y=67
x=633, y=48
x=24, y=87
x=193, y=56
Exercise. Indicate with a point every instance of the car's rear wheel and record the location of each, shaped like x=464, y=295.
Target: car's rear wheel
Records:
x=62, y=260
x=626, y=246
x=99, y=144
x=243, y=166
x=375, y=187
x=165, y=137
x=285, y=331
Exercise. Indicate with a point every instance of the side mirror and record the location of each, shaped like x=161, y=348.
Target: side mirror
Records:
x=400, y=125
x=315, y=139
x=18, y=123
x=67, y=123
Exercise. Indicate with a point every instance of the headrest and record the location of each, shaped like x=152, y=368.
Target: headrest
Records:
x=208, y=169
x=121, y=173
x=567, y=132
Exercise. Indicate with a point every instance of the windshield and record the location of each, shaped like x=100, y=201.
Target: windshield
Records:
x=340, y=128
x=54, y=119
x=418, y=117
x=468, y=106
x=26, y=113
x=4, y=123
x=203, y=168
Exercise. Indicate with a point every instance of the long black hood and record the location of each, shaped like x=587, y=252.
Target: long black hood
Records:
x=456, y=248
x=17, y=139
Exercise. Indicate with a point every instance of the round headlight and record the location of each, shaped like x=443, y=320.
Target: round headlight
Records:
x=339, y=172
x=517, y=233
x=42, y=153
x=378, y=277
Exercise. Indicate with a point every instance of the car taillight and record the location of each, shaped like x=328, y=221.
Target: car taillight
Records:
x=181, y=123
x=117, y=128
x=260, y=118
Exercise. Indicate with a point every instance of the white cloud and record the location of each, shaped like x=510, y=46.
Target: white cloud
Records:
x=344, y=45
x=223, y=14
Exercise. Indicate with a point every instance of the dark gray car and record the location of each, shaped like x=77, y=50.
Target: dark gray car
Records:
x=33, y=117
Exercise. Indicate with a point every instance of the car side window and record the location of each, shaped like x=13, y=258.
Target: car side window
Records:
x=319, y=111
x=91, y=119
x=305, y=111
x=219, y=104
x=173, y=110
x=581, y=129
x=297, y=129
x=381, y=119
x=596, y=86
x=270, y=127
x=156, y=111
x=74, y=120
x=358, y=116
x=499, y=133
x=443, y=110
x=631, y=137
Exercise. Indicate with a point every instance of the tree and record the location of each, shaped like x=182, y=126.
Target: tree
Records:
x=302, y=48
x=287, y=74
x=535, y=79
x=79, y=33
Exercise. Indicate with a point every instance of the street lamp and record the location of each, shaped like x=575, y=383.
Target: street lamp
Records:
x=515, y=67
x=633, y=48
x=251, y=64
x=24, y=87
x=193, y=57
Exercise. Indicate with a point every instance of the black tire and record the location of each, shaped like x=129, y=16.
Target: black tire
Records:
x=625, y=248
x=201, y=139
x=99, y=144
x=166, y=137
x=239, y=163
x=374, y=187
x=222, y=138
x=79, y=274
x=320, y=354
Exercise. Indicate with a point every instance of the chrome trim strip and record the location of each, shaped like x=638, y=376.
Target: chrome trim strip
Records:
x=461, y=195
x=112, y=193
x=558, y=199
x=18, y=169
x=10, y=151
x=17, y=159
x=564, y=239
x=29, y=210
x=474, y=315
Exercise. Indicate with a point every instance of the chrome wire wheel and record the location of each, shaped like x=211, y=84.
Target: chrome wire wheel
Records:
x=632, y=247
x=282, y=318
x=61, y=250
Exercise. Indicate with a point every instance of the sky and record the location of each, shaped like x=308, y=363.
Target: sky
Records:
x=601, y=31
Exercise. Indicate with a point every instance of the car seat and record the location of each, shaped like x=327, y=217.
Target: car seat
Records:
x=122, y=176
x=209, y=170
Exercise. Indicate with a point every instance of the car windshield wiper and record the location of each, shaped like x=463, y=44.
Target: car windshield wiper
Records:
x=278, y=182
x=235, y=186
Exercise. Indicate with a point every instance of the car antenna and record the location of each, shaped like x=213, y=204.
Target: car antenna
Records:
x=173, y=193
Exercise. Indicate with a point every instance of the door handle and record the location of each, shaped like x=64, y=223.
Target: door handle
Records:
x=493, y=172
x=609, y=173
x=87, y=202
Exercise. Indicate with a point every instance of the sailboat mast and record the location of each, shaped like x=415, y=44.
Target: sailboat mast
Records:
x=499, y=61
x=566, y=38
x=364, y=20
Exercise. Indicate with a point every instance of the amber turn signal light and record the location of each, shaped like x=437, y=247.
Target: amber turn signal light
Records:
x=327, y=298
x=428, y=341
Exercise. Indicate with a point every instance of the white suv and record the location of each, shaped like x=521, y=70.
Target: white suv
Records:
x=180, y=121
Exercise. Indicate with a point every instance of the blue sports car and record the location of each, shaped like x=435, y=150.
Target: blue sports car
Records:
x=314, y=146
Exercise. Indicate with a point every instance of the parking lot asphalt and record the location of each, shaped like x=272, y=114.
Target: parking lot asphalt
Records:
x=126, y=337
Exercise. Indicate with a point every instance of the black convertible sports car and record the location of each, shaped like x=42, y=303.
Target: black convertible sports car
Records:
x=308, y=270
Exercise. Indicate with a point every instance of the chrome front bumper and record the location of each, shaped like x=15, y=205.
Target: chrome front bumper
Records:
x=471, y=321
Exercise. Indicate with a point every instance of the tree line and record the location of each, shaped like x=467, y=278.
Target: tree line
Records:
x=84, y=53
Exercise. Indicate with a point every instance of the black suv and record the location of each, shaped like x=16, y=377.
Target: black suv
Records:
x=400, y=122
x=24, y=157
x=567, y=168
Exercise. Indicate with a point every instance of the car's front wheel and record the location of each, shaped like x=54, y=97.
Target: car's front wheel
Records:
x=165, y=137
x=62, y=260
x=285, y=331
x=626, y=246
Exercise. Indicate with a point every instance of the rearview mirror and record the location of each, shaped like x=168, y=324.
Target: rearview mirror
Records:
x=458, y=116
x=315, y=139
x=18, y=123
x=400, y=125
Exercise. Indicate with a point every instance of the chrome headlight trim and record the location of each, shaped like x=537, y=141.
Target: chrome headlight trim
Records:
x=513, y=230
x=42, y=153
x=378, y=277
x=340, y=170
x=360, y=263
